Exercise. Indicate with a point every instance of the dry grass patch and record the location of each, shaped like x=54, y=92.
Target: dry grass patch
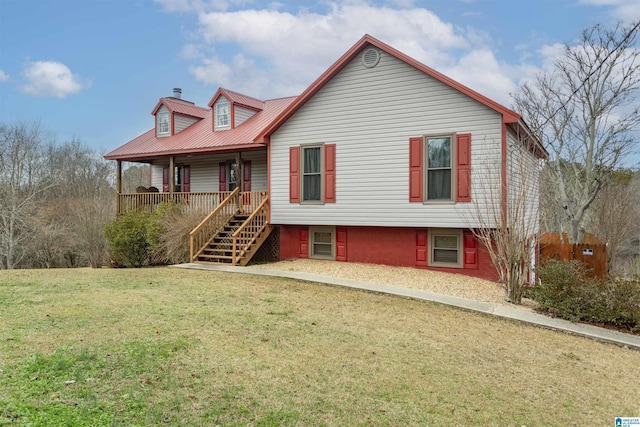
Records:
x=185, y=347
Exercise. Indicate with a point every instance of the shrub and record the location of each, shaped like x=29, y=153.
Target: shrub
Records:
x=132, y=239
x=138, y=239
x=565, y=292
x=176, y=223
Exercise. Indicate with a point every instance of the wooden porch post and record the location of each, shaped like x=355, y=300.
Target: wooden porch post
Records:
x=118, y=184
x=172, y=174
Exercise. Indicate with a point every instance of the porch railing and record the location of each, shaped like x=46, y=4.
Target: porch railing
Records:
x=202, y=235
x=235, y=202
x=250, y=230
x=205, y=202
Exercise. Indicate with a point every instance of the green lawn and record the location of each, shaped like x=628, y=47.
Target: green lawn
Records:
x=167, y=346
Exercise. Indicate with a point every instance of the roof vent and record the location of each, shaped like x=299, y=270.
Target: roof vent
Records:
x=177, y=92
x=370, y=58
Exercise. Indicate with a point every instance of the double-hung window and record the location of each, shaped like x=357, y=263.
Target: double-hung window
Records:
x=222, y=119
x=163, y=123
x=439, y=168
x=312, y=174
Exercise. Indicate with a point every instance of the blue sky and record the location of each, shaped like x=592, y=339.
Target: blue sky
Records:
x=94, y=69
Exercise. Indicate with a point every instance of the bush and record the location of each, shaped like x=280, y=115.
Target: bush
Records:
x=138, y=239
x=133, y=238
x=565, y=292
x=176, y=223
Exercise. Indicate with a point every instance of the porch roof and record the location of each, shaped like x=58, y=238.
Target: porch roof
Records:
x=199, y=138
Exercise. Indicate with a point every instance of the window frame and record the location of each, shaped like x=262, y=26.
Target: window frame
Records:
x=163, y=119
x=312, y=243
x=223, y=102
x=321, y=173
x=452, y=162
x=435, y=232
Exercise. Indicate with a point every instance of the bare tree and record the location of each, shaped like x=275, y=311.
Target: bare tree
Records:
x=583, y=110
x=615, y=213
x=508, y=230
x=21, y=184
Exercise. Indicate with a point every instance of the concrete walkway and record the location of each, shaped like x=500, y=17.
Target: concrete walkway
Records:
x=504, y=311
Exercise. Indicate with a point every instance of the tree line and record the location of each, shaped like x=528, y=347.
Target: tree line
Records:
x=55, y=199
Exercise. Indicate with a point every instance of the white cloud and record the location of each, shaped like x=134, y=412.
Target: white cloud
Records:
x=4, y=76
x=50, y=78
x=624, y=10
x=296, y=48
x=279, y=53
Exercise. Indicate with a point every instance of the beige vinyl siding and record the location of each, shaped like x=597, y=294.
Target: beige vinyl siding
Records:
x=241, y=114
x=205, y=170
x=523, y=175
x=370, y=114
x=181, y=122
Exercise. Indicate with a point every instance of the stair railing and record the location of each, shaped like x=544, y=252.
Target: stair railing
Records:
x=250, y=229
x=204, y=233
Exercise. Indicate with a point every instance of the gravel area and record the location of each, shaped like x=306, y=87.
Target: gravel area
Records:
x=432, y=281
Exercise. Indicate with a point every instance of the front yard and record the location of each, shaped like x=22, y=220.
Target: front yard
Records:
x=181, y=347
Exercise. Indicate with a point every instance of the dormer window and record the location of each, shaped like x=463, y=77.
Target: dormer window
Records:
x=163, y=122
x=222, y=115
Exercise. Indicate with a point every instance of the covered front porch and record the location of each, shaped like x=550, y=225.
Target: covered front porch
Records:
x=234, y=218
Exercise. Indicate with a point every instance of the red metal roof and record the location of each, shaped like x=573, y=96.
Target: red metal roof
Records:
x=199, y=138
x=180, y=106
x=238, y=99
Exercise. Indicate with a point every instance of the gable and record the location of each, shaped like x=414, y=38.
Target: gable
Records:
x=508, y=116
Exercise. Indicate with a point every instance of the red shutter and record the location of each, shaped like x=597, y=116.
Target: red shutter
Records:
x=304, y=243
x=165, y=179
x=294, y=175
x=421, y=248
x=470, y=244
x=330, y=173
x=415, y=169
x=222, y=178
x=186, y=178
x=463, y=193
x=341, y=244
x=246, y=175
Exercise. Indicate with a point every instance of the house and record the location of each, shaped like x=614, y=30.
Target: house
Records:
x=380, y=160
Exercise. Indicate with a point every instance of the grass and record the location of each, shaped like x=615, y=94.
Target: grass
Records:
x=180, y=347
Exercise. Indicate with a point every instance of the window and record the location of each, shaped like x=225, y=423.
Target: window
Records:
x=445, y=248
x=322, y=242
x=163, y=122
x=311, y=174
x=440, y=168
x=222, y=119
x=439, y=183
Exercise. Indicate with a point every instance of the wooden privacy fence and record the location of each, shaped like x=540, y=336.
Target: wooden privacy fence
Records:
x=593, y=253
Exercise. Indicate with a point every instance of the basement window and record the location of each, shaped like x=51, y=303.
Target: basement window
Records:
x=322, y=244
x=445, y=248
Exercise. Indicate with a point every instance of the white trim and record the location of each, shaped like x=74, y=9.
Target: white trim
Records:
x=163, y=118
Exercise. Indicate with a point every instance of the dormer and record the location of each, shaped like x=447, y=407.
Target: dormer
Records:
x=231, y=109
x=173, y=114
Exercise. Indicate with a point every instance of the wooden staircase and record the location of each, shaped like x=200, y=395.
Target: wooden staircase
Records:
x=233, y=232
